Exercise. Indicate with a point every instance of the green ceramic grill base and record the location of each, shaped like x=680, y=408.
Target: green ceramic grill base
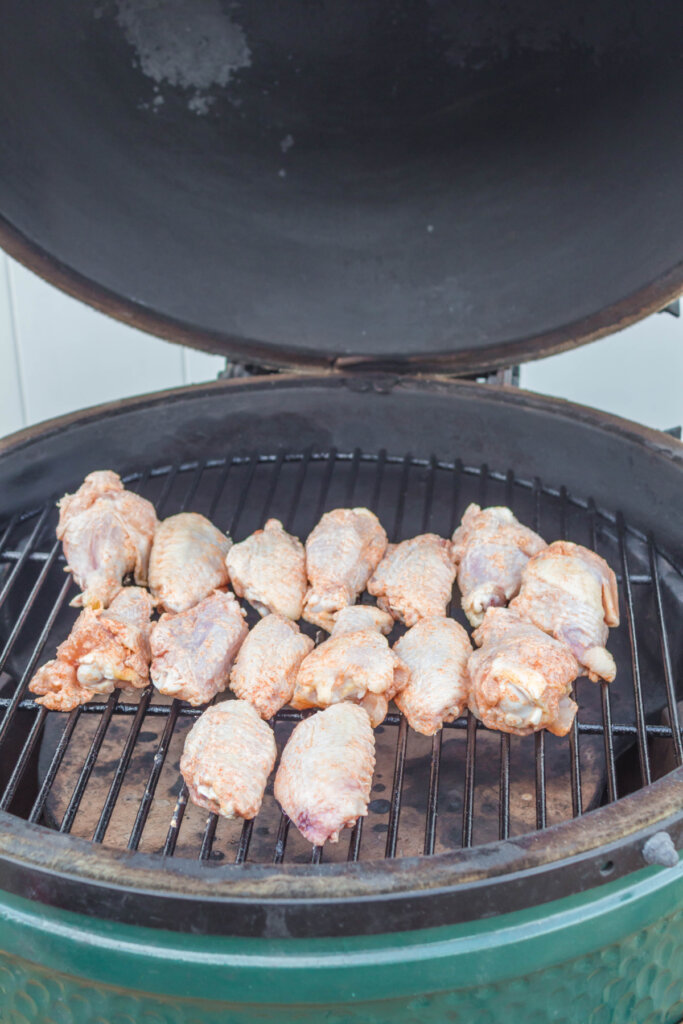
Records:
x=614, y=956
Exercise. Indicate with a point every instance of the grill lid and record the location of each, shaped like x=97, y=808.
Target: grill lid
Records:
x=420, y=185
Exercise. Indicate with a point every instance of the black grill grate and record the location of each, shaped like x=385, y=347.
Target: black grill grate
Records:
x=108, y=771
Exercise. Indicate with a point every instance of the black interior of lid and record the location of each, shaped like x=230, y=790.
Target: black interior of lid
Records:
x=425, y=183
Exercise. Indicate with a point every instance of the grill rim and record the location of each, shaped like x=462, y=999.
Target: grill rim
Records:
x=323, y=899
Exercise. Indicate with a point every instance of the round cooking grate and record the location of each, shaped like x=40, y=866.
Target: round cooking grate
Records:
x=109, y=772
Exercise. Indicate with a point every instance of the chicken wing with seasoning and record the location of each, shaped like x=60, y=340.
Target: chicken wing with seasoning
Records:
x=341, y=554
x=268, y=662
x=193, y=652
x=414, y=580
x=325, y=775
x=490, y=549
x=228, y=755
x=571, y=593
x=269, y=569
x=106, y=533
x=436, y=652
x=358, y=666
x=187, y=561
x=521, y=678
x=357, y=618
x=106, y=649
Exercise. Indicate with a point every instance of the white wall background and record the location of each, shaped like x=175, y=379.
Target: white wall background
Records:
x=57, y=355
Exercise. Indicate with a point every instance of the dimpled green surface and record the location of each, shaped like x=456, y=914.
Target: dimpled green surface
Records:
x=60, y=968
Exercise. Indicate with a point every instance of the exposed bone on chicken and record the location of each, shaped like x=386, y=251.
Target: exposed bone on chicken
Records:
x=436, y=652
x=193, y=652
x=341, y=553
x=269, y=570
x=571, y=593
x=490, y=549
x=267, y=664
x=325, y=775
x=521, y=678
x=358, y=667
x=229, y=754
x=106, y=533
x=414, y=580
x=357, y=618
x=106, y=649
x=187, y=561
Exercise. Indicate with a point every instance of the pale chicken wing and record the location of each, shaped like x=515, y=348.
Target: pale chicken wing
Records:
x=571, y=593
x=269, y=569
x=414, y=580
x=341, y=554
x=490, y=549
x=436, y=652
x=228, y=755
x=358, y=667
x=187, y=561
x=357, y=618
x=267, y=664
x=106, y=532
x=325, y=775
x=193, y=652
x=521, y=678
x=106, y=649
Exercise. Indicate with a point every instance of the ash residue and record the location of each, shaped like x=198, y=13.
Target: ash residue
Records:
x=192, y=44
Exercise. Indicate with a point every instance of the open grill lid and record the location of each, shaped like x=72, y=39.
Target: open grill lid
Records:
x=411, y=185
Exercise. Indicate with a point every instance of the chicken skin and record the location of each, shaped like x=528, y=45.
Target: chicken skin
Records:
x=106, y=649
x=267, y=664
x=490, y=549
x=360, y=617
x=351, y=666
x=106, y=532
x=414, y=580
x=325, y=775
x=571, y=593
x=193, y=652
x=521, y=678
x=436, y=652
x=341, y=554
x=269, y=569
x=229, y=754
x=187, y=561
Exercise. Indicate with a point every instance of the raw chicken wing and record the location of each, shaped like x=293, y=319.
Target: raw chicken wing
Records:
x=358, y=666
x=268, y=662
x=341, y=554
x=325, y=774
x=106, y=649
x=269, y=569
x=571, y=593
x=106, y=532
x=521, y=678
x=436, y=652
x=187, y=561
x=490, y=549
x=229, y=754
x=193, y=652
x=414, y=580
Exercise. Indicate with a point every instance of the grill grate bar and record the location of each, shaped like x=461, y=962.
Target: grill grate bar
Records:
x=666, y=655
x=355, y=841
x=281, y=839
x=575, y=766
x=22, y=762
x=605, y=699
x=50, y=775
x=504, y=807
x=208, y=837
x=397, y=788
x=470, y=760
x=539, y=740
x=23, y=557
x=122, y=767
x=643, y=754
x=150, y=788
x=245, y=840
x=176, y=821
x=433, y=794
x=89, y=764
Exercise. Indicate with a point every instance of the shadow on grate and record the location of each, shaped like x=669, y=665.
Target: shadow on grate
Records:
x=109, y=771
